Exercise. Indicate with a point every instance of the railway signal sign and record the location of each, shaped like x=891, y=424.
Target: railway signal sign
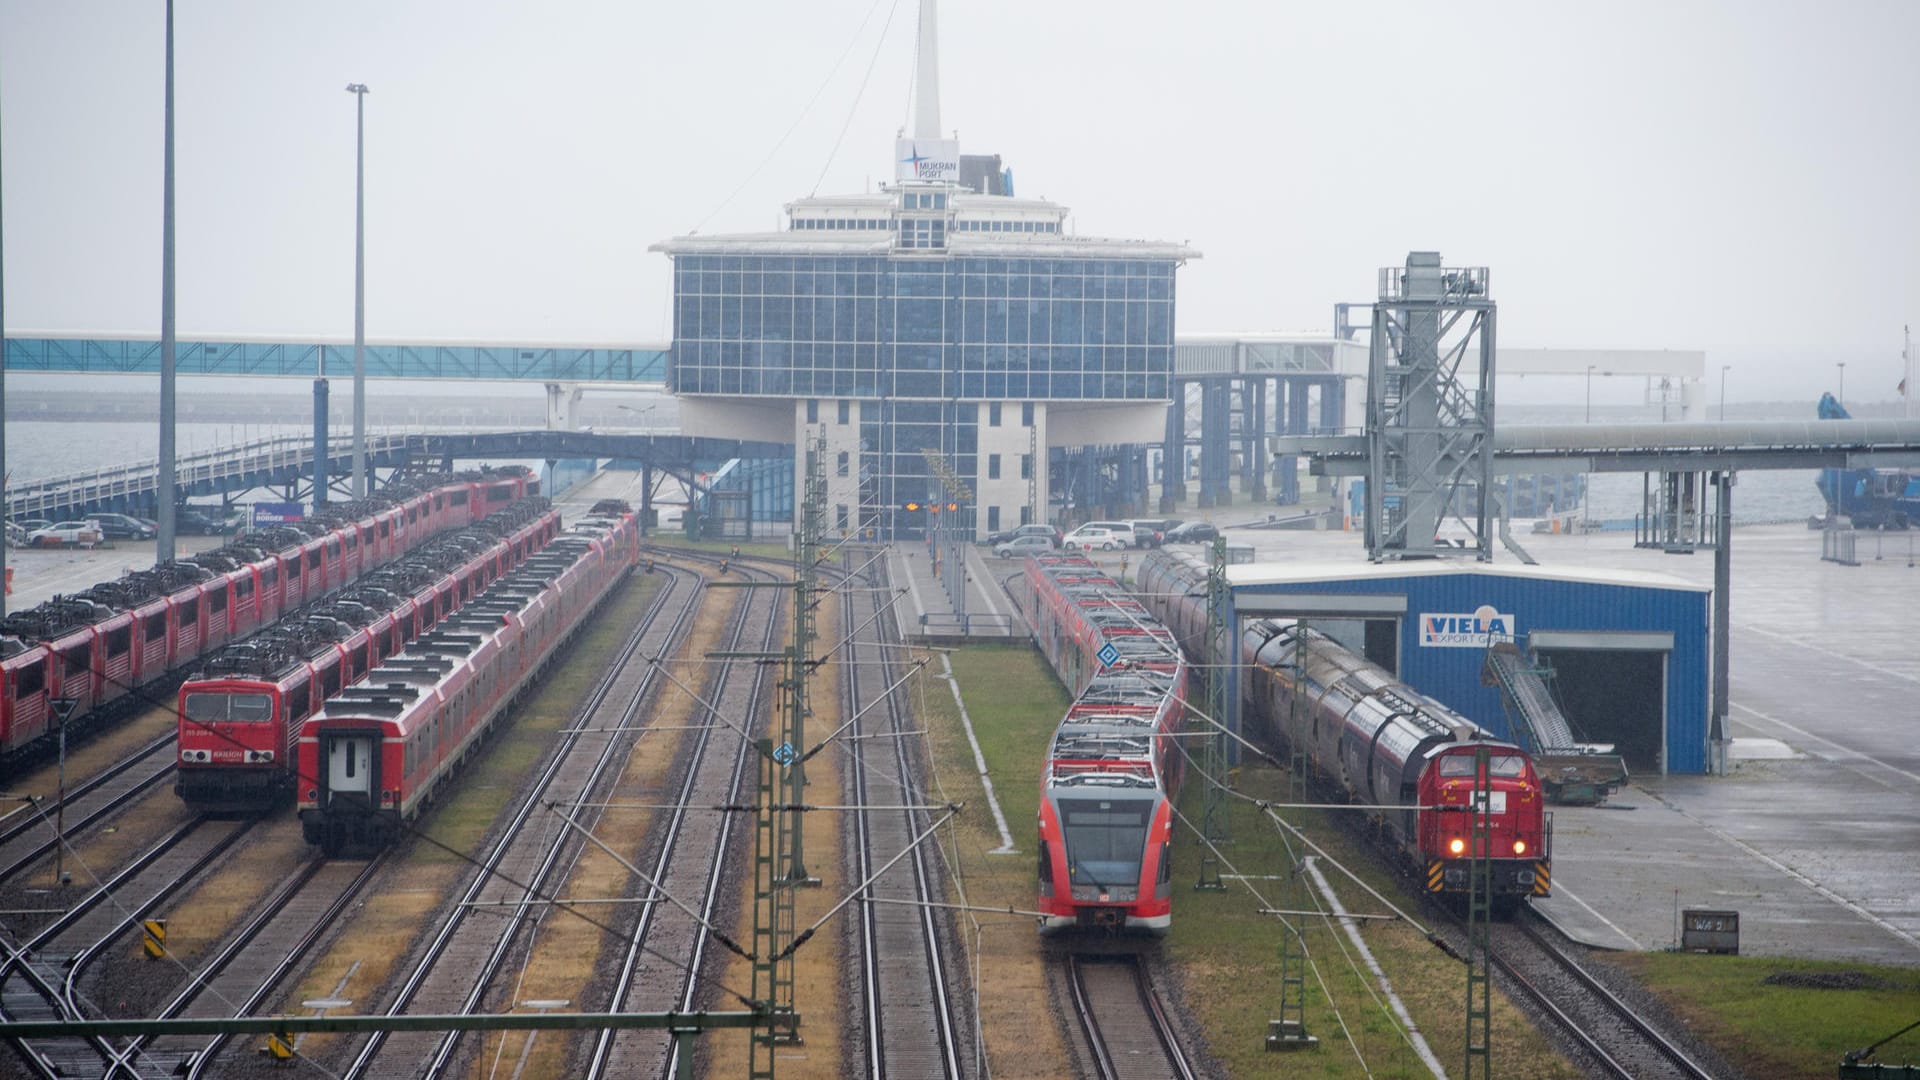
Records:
x=784, y=754
x=1108, y=654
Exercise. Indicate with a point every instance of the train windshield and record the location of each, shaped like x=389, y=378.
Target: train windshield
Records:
x=1497, y=765
x=229, y=708
x=1105, y=840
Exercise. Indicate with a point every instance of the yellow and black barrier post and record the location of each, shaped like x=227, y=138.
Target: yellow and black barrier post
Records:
x=154, y=937
x=279, y=1046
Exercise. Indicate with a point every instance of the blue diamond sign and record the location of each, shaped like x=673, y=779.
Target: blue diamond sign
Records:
x=784, y=754
x=1108, y=654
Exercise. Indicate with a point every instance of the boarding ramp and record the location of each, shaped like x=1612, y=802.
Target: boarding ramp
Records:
x=1575, y=773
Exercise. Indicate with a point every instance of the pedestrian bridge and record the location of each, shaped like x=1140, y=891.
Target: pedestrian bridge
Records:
x=286, y=462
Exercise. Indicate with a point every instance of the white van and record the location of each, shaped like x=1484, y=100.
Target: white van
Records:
x=1121, y=529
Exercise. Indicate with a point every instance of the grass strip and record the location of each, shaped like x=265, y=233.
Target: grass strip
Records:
x=1781, y=1017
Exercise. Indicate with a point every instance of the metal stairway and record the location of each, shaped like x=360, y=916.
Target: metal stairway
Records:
x=1574, y=773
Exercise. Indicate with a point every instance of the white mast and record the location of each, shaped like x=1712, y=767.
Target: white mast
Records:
x=926, y=83
x=1909, y=387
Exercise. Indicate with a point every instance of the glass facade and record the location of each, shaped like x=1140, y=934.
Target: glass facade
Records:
x=897, y=442
x=959, y=327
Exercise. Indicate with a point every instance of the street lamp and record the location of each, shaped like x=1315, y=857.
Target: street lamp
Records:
x=1841, y=397
x=1724, y=368
x=359, y=92
x=644, y=414
x=1590, y=368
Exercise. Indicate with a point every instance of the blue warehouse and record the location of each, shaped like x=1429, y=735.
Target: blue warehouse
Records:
x=1628, y=653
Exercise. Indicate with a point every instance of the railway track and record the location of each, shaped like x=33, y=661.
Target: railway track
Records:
x=25, y=842
x=1128, y=1036
x=909, y=1024
x=240, y=978
x=458, y=965
x=1615, y=1038
x=667, y=947
x=41, y=979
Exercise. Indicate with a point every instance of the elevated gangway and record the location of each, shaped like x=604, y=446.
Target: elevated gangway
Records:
x=225, y=470
x=1575, y=773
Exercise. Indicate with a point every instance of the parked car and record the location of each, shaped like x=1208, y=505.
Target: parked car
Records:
x=34, y=525
x=1030, y=529
x=1152, y=532
x=123, y=527
x=200, y=521
x=78, y=533
x=16, y=536
x=1021, y=546
x=1095, y=536
x=1192, y=532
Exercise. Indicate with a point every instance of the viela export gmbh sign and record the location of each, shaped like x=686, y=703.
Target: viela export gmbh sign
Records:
x=1465, y=631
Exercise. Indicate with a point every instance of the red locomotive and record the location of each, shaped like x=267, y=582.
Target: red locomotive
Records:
x=100, y=647
x=371, y=758
x=1378, y=742
x=240, y=715
x=1106, y=819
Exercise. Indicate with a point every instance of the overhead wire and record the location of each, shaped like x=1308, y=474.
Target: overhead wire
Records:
x=852, y=40
x=853, y=109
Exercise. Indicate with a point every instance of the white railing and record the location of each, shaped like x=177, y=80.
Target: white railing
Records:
x=49, y=497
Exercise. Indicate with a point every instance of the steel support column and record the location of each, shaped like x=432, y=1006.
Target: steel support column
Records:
x=1216, y=446
x=1296, y=422
x=1173, y=457
x=1253, y=438
x=646, y=497
x=320, y=447
x=1722, y=626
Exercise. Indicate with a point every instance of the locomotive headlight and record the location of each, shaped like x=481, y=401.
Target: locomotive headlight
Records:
x=1519, y=847
x=1457, y=845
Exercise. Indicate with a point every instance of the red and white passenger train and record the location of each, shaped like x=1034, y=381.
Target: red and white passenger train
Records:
x=100, y=648
x=1106, y=820
x=240, y=715
x=375, y=754
x=1377, y=742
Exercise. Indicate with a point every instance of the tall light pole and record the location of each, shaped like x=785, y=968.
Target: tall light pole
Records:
x=359, y=92
x=5, y=510
x=1590, y=368
x=163, y=514
x=1842, y=395
x=1724, y=368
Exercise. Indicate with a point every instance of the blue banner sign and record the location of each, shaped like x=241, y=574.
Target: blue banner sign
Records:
x=277, y=513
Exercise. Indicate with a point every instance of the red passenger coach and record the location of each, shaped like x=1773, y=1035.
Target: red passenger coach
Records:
x=1106, y=816
x=371, y=759
x=240, y=716
x=101, y=647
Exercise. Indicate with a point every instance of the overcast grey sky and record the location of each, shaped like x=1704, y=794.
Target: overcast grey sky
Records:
x=1742, y=177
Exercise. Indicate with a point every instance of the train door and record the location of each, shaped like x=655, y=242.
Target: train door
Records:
x=350, y=770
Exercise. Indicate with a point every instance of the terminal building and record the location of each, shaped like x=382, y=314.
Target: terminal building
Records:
x=934, y=340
